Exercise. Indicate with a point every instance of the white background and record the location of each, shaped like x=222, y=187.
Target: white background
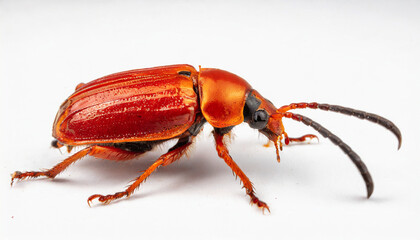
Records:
x=361, y=54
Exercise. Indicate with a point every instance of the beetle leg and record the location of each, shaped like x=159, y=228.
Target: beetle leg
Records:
x=268, y=144
x=104, y=152
x=288, y=140
x=173, y=154
x=51, y=173
x=224, y=154
x=303, y=138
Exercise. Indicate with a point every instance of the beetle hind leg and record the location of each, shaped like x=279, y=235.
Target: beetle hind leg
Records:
x=173, y=154
x=104, y=152
x=51, y=173
x=224, y=154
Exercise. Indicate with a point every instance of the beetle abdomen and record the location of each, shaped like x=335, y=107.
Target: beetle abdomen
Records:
x=137, y=105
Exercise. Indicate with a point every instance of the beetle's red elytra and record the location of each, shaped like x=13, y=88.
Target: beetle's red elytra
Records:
x=123, y=115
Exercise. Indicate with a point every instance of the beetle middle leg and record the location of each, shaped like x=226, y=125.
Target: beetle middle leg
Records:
x=104, y=152
x=173, y=154
x=224, y=154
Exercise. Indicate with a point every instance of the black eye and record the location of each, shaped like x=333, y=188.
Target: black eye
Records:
x=259, y=119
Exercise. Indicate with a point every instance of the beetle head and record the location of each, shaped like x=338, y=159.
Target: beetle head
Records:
x=261, y=114
x=227, y=100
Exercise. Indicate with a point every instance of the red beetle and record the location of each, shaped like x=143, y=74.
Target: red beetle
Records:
x=123, y=115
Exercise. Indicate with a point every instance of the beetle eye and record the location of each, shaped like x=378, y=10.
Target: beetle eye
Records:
x=259, y=119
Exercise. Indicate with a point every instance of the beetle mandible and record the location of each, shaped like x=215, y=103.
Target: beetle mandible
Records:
x=123, y=115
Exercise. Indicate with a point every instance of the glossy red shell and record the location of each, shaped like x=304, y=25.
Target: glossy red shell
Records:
x=137, y=105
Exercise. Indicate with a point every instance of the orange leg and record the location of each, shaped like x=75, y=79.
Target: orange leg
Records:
x=303, y=138
x=224, y=154
x=104, y=152
x=268, y=144
x=171, y=156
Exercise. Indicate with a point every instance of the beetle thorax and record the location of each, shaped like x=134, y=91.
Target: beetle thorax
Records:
x=223, y=96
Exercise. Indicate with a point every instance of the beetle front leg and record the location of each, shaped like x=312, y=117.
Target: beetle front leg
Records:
x=173, y=154
x=223, y=153
x=304, y=138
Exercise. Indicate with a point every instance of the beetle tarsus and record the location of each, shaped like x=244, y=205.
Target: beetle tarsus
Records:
x=304, y=138
x=15, y=175
x=106, y=199
x=26, y=175
x=268, y=144
x=91, y=198
x=260, y=204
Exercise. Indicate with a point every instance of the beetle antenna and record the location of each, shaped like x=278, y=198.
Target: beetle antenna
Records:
x=348, y=111
x=337, y=141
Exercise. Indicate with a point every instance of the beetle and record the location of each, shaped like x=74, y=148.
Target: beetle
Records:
x=123, y=115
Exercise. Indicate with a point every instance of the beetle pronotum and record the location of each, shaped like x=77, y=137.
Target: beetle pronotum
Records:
x=123, y=115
